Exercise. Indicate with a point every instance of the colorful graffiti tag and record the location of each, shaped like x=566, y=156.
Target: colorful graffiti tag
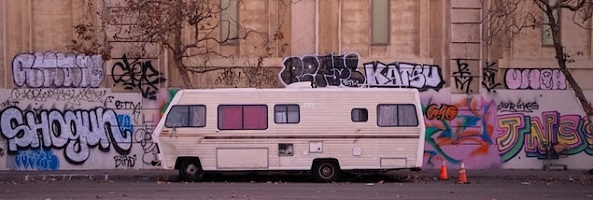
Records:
x=466, y=123
x=520, y=132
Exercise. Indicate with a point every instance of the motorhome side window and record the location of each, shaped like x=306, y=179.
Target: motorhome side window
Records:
x=242, y=117
x=359, y=115
x=396, y=115
x=286, y=114
x=186, y=116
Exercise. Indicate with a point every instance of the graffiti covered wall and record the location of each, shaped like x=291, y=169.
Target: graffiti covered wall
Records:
x=72, y=111
x=59, y=114
x=506, y=125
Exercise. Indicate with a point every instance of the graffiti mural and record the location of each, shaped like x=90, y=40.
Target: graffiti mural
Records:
x=74, y=131
x=459, y=131
x=323, y=71
x=535, y=79
x=404, y=75
x=57, y=70
x=137, y=74
x=520, y=132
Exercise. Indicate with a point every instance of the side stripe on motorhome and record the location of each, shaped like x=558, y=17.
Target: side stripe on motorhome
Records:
x=297, y=137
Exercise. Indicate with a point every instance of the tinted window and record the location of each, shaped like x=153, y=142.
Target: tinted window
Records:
x=359, y=115
x=242, y=117
x=186, y=116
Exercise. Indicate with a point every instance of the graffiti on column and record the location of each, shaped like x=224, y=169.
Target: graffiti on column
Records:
x=463, y=77
x=489, y=77
x=404, y=75
x=519, y=132
x=467, y=121
x=535, y=79
x=74, y=131
x=137, y=74
x=57, y=70
x=323, y=71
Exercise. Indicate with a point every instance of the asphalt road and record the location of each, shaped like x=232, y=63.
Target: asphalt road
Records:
x=401, y=185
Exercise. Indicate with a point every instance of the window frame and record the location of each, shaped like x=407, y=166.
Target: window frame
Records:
x=229, y=21
x=187, y=115
x=366, y=114
x=242, y=107
x=375, y=4
x=397, y=112
x=286, y=106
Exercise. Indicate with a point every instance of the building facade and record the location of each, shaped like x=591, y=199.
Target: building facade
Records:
x=491, y=102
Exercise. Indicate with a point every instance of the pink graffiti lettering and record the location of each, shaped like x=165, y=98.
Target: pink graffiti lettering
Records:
x=535, y=79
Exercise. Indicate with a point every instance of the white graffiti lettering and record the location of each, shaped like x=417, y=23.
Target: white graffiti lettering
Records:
x=406, y=75
x=73, y=130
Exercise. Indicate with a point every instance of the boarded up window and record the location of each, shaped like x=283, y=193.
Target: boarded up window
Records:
x=229, y=21
x=380, y=22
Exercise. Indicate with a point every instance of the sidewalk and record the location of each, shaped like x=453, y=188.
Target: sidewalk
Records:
x=166, y=175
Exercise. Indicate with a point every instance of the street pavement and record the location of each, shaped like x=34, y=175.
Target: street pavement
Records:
x=424, y=175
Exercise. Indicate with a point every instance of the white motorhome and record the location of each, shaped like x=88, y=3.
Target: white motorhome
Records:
x=320, y=130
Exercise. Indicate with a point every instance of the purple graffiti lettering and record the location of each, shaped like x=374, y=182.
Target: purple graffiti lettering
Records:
x=50, y=69
x=535, y=79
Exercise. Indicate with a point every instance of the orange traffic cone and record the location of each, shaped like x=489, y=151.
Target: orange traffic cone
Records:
x=462, y=175
x=444, y=175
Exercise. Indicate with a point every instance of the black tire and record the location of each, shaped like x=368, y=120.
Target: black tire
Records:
x=191, y=170
x=326, y=171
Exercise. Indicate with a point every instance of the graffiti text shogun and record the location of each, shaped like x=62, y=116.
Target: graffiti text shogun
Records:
x=50, y=70
x=76, y=131
x=405, y=75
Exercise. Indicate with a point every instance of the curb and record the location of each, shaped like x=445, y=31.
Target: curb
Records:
x=167, y=175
